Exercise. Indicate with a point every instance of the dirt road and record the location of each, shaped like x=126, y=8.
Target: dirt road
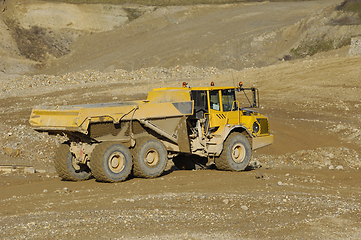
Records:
x=307, y=188
x=287, y=203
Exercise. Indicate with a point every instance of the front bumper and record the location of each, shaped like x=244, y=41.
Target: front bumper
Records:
x=259, y=142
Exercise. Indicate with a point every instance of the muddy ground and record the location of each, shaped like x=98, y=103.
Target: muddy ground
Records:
x=307, y=187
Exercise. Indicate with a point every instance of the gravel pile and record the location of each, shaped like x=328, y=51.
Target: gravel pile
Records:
x=348, y=132
x=27, y=84
x=329, y=157
x=26, y=147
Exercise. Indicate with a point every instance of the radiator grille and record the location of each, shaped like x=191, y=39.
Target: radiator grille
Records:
x=264, y=125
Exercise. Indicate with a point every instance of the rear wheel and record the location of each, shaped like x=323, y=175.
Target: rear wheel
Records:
x=67, y=168
x=236, y=153
x=150, y=158
x=111, y=162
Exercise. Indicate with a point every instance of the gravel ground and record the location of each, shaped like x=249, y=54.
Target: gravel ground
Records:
x=307, y=203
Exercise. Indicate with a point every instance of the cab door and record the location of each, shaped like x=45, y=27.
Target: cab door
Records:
x=230, y=106
x=216, y=116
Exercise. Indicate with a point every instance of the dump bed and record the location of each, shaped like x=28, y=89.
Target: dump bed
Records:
x=77, y=118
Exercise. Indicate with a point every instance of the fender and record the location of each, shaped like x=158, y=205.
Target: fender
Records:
x=229, y=130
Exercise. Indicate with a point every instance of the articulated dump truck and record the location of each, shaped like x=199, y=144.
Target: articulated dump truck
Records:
x=113, y=140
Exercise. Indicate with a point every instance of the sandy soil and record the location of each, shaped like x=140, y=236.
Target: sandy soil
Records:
x=308, y=186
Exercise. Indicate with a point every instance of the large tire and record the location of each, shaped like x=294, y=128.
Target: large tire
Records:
x=63, y=162
x=111, y=162
x=236, y=153
x=150, y=158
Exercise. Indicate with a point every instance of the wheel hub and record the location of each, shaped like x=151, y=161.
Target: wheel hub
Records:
x=238, y=153
x=152, y=157
x=116, y=162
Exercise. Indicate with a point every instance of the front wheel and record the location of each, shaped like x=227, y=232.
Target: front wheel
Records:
x=150, y=158
x=67, y=168
x=236, y=153
x=111, y=162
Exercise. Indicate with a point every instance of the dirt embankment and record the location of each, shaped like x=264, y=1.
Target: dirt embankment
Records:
x=44, y=36
x=34, y=33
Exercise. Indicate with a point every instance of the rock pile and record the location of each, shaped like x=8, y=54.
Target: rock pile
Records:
x=329, y=157
x=31, y=84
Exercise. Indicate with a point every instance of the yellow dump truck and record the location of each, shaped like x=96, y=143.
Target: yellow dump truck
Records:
x=112, y=140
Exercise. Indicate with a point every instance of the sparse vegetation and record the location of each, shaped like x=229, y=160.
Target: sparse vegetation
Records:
x=30, y=41
x=350, y=15
x=319, y=45
x=37, y=43
x=353, y=8
x=132, y=13
x=350, y=6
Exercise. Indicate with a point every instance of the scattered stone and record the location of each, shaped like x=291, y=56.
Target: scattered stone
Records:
x=340, y=167
x=29, y=170
x=255, y=164
x=280, y=183
x=259, y=175
x=244, y=207
x=331, y=167
x=226, y=201
x=45, y=191
x=6, y=169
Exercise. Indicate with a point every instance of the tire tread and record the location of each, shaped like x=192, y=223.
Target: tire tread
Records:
x=60, y=163
x=137, y=171
x=222, y=161
x=96, y=162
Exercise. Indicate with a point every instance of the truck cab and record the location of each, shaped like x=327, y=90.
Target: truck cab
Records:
x=220, y=107
x=224, y=127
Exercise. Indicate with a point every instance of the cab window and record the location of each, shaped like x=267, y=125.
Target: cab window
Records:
x=214, y=100
x=200, y=103
x=200, y=99
x=228, y=97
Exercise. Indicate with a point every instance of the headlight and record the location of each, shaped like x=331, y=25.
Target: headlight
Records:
x=255, y=127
